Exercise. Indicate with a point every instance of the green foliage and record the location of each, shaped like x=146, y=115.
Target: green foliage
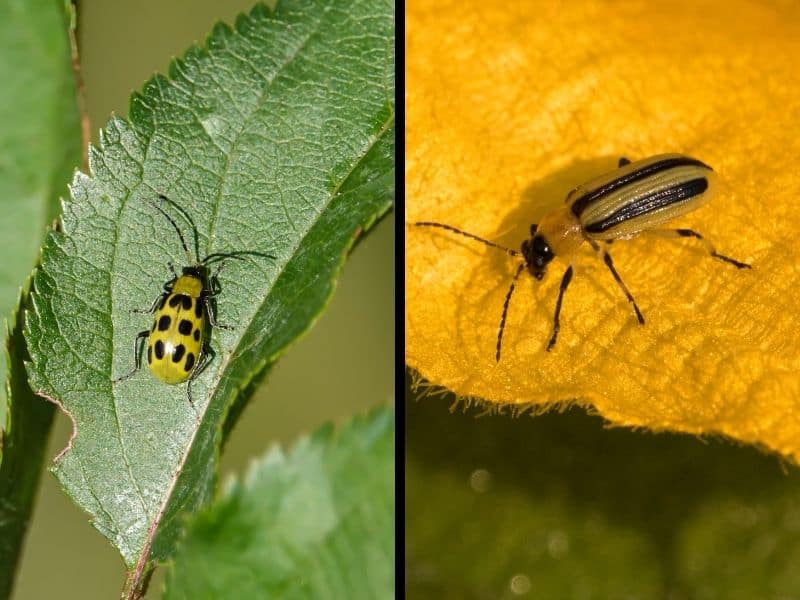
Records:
x=22, y=454
x=276, y=137
x=562, y=507
x=316, y=523
x=39, y=136
x=39, y=147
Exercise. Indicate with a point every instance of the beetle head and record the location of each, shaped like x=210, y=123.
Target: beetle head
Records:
x=537, y=254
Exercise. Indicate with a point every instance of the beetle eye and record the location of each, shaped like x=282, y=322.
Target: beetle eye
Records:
x=542, y=252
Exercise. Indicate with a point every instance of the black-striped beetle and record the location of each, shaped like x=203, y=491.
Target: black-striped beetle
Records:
x=638, y=196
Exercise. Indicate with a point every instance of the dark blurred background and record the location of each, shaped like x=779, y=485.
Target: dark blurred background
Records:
x=561, y=506
x=343, y=366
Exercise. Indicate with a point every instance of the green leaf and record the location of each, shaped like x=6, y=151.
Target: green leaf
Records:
x=563, y=507
x=39, y=147
x=22, y=452
x=39, y=136
x=276, y=137
x=316, y=523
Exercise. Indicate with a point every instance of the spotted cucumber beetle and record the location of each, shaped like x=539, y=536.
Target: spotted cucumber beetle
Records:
x=637, y=197
x=177, y=344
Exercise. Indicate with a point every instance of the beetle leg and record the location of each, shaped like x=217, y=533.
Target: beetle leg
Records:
x=205, y=357
x=213, y=289
x=207, y=295
x=213, y=282
x=137, y=355
x=211, y=318
x=610, y=264
x=708, y=245
x=556, y=322
x=149, y=311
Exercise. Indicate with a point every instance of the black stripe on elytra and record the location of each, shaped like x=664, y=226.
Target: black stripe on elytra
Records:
x=583, y=202
x=651, y=202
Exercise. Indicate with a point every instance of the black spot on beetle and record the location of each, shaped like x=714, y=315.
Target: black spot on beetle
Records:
x=175, y=300
x=198, y=309
x=163, y=323
x=149, y=355
x=177, y=355
x=189, y=362
x=159, y=349
x=185, y=327
x=197, y=335
x=187, y=303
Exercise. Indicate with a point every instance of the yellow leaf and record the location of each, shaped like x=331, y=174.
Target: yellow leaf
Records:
x=509, y=106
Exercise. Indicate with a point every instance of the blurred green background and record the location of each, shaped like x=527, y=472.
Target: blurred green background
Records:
x=344, y=365
x=560, y=506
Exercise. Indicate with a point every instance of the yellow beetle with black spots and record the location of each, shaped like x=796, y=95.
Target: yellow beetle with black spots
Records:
x=177, y=344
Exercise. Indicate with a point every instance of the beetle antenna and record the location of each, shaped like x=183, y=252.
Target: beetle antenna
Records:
x=239, y=255
x=188, y=218
x=505, y=310
x=508, y=251
x=175, y=225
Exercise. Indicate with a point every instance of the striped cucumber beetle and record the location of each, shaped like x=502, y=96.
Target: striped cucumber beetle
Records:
x=636, y=197
x=177, y=343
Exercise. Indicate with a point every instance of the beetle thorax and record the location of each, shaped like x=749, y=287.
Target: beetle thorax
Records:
x=189, y=285
x=558, y=234
x=562, y=231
